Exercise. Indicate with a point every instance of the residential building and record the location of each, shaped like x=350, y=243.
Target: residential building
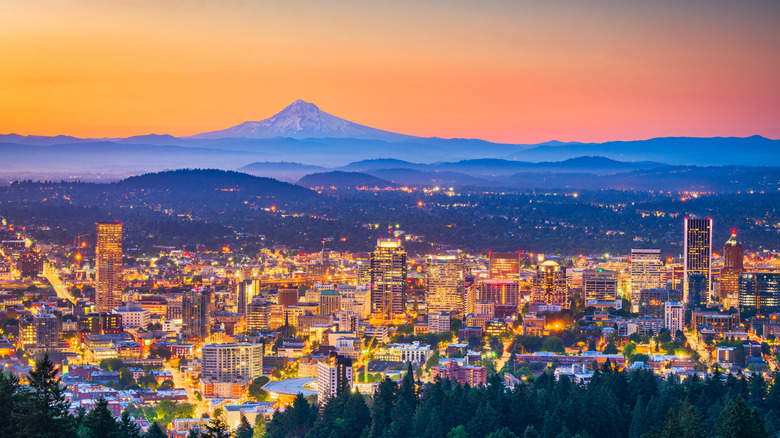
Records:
x=231, y=362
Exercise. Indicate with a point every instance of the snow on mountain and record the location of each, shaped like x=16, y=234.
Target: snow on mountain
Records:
x=303, y=120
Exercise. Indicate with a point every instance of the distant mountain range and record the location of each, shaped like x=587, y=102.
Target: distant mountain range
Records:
x=302, y=133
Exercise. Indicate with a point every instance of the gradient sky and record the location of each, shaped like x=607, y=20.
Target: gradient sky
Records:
x=501, y=70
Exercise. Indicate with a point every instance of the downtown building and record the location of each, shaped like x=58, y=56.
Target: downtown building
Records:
x=504, y=265
x=697, y=259
x=108, y=264
x=550, y=287
x=334, y=376
x=197, y=314
x=388, y=278
x=733, y=266
x=646, y=272
x=444, y=283
x=759, y=290
x=231, y=362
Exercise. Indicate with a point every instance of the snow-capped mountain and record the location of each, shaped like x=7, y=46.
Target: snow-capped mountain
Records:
x=303, y=120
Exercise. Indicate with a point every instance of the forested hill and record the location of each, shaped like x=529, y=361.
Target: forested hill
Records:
x=209, y=180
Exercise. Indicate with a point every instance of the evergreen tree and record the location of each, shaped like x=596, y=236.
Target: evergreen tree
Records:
x=194, y=433
x=99, y=422
x=45, y=412
x=244, y=429
x=638, y=420
x=10, y=398
x=689, y=421
x=530, y=432
x=127, y=426
x=155, y=431
x=484, y=421
x=458, y=432
x=259, y=430
x=502, y=433
x=384, y=398
x=217, y=428
x=739, y=421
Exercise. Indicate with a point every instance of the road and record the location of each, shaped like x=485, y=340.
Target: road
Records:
x=180, y=382
x=51, y=274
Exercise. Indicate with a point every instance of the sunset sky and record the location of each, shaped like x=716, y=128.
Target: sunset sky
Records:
x=501, y=70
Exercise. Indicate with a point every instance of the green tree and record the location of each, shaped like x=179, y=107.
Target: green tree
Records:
x=10, y=400
x=458, y=432
x=259, y=429
x=553, y=344
x=111, y=364
x=45, y=411
x=155, y=431
x=99, y=422
x=217, y=428
x=737, y=420
x=244, y=429
x=127, y=426
x=255, y=390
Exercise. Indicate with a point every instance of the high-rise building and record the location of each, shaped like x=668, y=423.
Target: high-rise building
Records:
x=246, y=290
x=504, y=265
x=732, y=267
x=698, y=252
x=231, y=362
x=674, y=316
x=197, y=310
x=759, y=290
x=288, y=297
x=646, y=273
x=30, y=264
x=697, y=291
x=549, y=286
x=388, y=277
x=39, y=331
x=444, y=286
x=333, y=377
x=599, y=284
x=330, y=302
x=108, y=263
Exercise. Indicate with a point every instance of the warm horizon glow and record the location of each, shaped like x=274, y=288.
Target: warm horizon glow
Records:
x=499, y=70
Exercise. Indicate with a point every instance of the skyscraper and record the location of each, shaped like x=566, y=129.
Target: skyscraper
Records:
x=388, y=277
x=729, y=275
x=444, y=286
x=698, y=250
x=550, y=285
x=197, y=309
x=646, y=273
x=247, y=289
x=759, y=290
x=108, y=261
x=330, y=302
x=504, y=265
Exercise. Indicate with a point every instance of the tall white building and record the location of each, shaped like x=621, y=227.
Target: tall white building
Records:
x=646, y=273
x=229, y=362
x=333, y=376
x=674, y=316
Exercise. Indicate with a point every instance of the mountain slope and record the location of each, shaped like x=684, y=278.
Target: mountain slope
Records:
x=303, y=120
x=342, y=180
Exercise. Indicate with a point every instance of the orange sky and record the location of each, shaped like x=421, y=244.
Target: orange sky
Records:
x=501, y=70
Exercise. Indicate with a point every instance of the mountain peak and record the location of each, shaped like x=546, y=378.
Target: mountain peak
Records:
x=300, y=120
